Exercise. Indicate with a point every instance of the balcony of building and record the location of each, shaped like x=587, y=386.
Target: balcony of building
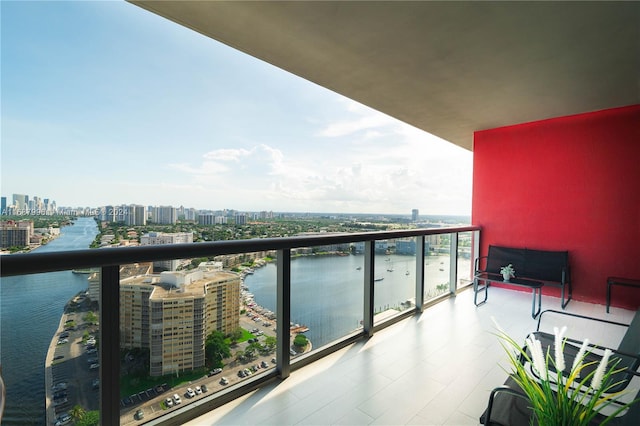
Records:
x=545, y=94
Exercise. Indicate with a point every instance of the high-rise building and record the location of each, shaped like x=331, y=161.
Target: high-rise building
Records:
x=15, y=233
x=21, y=202
x=3, y=206
x=172, y=314
x=205, y=219
x=166, y=215
x=155, y=238
x=241, y=219
x=414, y=215
x=136, y=215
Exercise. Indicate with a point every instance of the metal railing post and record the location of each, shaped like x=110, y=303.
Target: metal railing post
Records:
x=283, y=313
x=453, y=263
x=110, y=346
x=369, y=282
x=420, y=272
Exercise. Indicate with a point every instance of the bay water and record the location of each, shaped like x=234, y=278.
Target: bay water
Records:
x=30, y=310
x=327, y=292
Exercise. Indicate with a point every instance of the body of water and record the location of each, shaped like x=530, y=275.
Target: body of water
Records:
x=31, y=308
x=327, y=291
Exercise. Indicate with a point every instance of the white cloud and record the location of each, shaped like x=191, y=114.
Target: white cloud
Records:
x=364, y=162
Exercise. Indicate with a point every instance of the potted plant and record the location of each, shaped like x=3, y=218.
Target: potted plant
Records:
x=508, y=272
x=558, y=399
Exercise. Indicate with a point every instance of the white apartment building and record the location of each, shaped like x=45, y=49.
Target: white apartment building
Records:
x=172, y=314
x=155, y=238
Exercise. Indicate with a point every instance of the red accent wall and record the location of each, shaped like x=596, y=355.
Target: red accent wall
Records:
x=567, y=183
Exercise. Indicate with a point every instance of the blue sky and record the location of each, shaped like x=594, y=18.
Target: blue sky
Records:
x=106, y=103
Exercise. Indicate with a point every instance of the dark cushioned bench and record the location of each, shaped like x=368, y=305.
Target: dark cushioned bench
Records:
x=534, y=269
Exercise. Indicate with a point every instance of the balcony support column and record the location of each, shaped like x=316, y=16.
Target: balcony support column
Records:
x=420, y=273
x=283, y=313
x=110, y=346
x=453, y=263
x=369, y=287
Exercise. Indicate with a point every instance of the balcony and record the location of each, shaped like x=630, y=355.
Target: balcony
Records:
x=433, y=362
x=374, y=308
x=436, y=367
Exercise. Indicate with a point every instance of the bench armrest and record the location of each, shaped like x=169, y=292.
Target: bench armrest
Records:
x=476, y=266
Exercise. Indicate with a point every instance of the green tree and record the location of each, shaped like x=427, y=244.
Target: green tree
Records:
x=77, y=412
x=216, y=349
x=300, y=341
x=270, y=342
x=91, y=317
x=91, y=418
x=236, y=335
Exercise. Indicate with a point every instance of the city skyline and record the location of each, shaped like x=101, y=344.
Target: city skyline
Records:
x=51, y=207
x=105, y=103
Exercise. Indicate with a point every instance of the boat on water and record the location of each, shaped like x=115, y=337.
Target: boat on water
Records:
x=358, y=268
x=82, y=271
x=406, y=273
x=379, y=279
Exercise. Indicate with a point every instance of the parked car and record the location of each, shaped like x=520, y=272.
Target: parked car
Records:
x=176, y=399
x=190, y=393
x=224, y=381
x=214, y=372
x=59, y=402
x=168, y=402
x=204, y=388
x=198, y=390
x=94, y=366
x=139, y=415
x=63, y=419
x=63, y=341
x=59, y=386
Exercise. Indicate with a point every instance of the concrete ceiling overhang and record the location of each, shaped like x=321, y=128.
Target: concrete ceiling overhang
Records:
x=449, y=68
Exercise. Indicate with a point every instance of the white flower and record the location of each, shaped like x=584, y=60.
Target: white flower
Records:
x=535, y=347
x=602, y=367
x=558, y=347
x=577, y=362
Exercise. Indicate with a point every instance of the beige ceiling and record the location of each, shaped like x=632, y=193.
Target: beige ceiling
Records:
x=449, y=68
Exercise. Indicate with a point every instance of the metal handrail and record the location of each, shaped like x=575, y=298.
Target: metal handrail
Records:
x=110, y=260
x=34, y=263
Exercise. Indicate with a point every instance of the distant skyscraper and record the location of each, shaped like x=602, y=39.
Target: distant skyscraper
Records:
x=3, y=205
x=414, y=215
x=241, y=219
x=166, y=215
x=205, y=218
x=21, y=202
x=136, y=215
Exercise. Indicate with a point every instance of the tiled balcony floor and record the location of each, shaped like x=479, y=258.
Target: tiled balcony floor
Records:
x=433, y=369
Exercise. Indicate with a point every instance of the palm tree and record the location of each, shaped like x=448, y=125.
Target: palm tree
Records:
x=77, y=412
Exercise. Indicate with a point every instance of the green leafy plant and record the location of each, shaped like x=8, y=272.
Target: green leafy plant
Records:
x=558, y=400
x=508, y=271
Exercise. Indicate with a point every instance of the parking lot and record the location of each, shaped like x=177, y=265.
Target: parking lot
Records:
x=70, y=379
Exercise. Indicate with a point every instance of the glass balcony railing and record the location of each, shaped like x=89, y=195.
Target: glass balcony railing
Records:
x=130, y=345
